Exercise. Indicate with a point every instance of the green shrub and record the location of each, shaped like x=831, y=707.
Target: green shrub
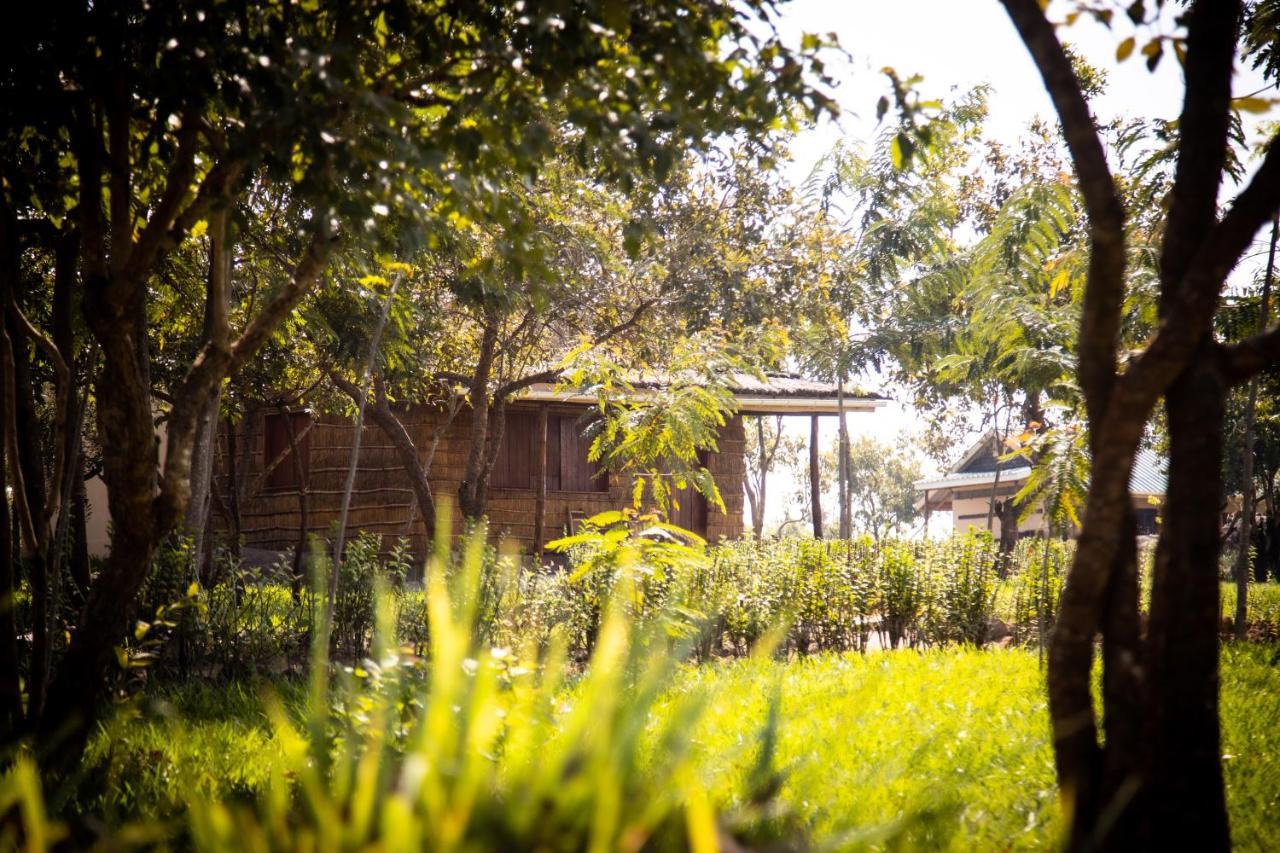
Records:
x=471, y=747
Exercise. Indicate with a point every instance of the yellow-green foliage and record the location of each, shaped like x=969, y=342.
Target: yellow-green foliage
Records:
x=949, y=747
x=942, y=749
x=472, y=748
x=484, y=731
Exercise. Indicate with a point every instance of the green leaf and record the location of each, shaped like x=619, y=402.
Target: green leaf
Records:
x=1254, y=104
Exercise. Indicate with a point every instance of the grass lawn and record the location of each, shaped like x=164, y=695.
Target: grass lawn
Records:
x=949, y=747
x=954, y=744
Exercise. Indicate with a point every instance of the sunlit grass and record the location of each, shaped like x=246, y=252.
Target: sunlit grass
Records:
x=950, y=746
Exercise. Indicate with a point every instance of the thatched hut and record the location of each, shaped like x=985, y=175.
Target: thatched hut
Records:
x=541, y=486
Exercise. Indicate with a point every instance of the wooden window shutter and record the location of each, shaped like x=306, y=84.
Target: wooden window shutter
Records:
x=577, y=474
x=275, y=444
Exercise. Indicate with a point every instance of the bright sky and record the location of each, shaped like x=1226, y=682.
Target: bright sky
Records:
x=957, y=45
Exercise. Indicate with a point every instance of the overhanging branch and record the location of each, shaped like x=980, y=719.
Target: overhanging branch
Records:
x=1104, y=289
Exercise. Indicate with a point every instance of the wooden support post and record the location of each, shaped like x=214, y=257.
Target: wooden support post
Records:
x=815, y=479
x=926, y=513
x=540, y=464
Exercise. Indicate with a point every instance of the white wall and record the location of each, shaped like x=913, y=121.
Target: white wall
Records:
x=971, y=513
x=97, y=526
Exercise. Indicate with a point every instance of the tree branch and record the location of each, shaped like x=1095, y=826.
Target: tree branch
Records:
x=1189, y=314
x=86, y=140
x=176, y=186
x=506, y=390
x=62, y=391
x=1202, y=139
x=218, y=360
x=627, y=324
x=1104, y=289
x=120, y=176
x=1241, y=361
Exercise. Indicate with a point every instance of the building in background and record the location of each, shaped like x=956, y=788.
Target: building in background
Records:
x=975, y=488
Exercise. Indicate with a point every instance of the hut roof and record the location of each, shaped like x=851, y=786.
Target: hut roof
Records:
x=775, y=393
x=978, y=467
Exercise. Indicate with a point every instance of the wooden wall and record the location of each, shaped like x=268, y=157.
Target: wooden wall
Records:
x=382, y=500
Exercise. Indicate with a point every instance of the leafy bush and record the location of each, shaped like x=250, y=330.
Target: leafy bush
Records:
x=472, y=747
x=1040, y=567
x=961, y=590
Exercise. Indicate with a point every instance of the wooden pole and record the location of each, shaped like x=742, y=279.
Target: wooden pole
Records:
x=926, y=513
x=815, y=482
x=540, y=505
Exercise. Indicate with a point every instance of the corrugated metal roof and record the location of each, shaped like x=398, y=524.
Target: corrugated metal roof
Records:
x=1150, y=473
x=1007, y=475
x=781, y=385
x=1149, y=476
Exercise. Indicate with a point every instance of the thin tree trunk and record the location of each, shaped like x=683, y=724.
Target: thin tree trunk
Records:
x=70, y=535
x=304, y=506
x=196, y=520
x=11, y=711
x=79, y=567
x=471, y=497
x=846, y=510
x=991, y=500
x=354, y=463
x=29, y=501
x=415, y=468
x=749, y=489
x=1041, y=621
x=815, y=479
x=995, y=484
x=1246, y=470
x=755, y=491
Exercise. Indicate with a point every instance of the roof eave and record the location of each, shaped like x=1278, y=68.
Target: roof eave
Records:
x=1006, y=476
x=748, y=404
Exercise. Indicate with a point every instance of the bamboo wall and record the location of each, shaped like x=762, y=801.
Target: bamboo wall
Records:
x=382, y=500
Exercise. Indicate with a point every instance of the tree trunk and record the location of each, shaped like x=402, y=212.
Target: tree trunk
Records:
x=196, y=522
x=36, y=550
x=493, y=444
x=762, y=483
x=375, y=341
x=304, y=507
x=846, y=509
x=1125, y=760
x=749, y=489
x=79, y=568
x=1159, y=782
x=11, y=711
x=472, y=489
x=415, y=469
x=1090, y=603
x=1186, y=794
x=129, y=459
x=1008, y=533
x=815, y=479
x=236, y=474
x=204, y=445
x=129, y=471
